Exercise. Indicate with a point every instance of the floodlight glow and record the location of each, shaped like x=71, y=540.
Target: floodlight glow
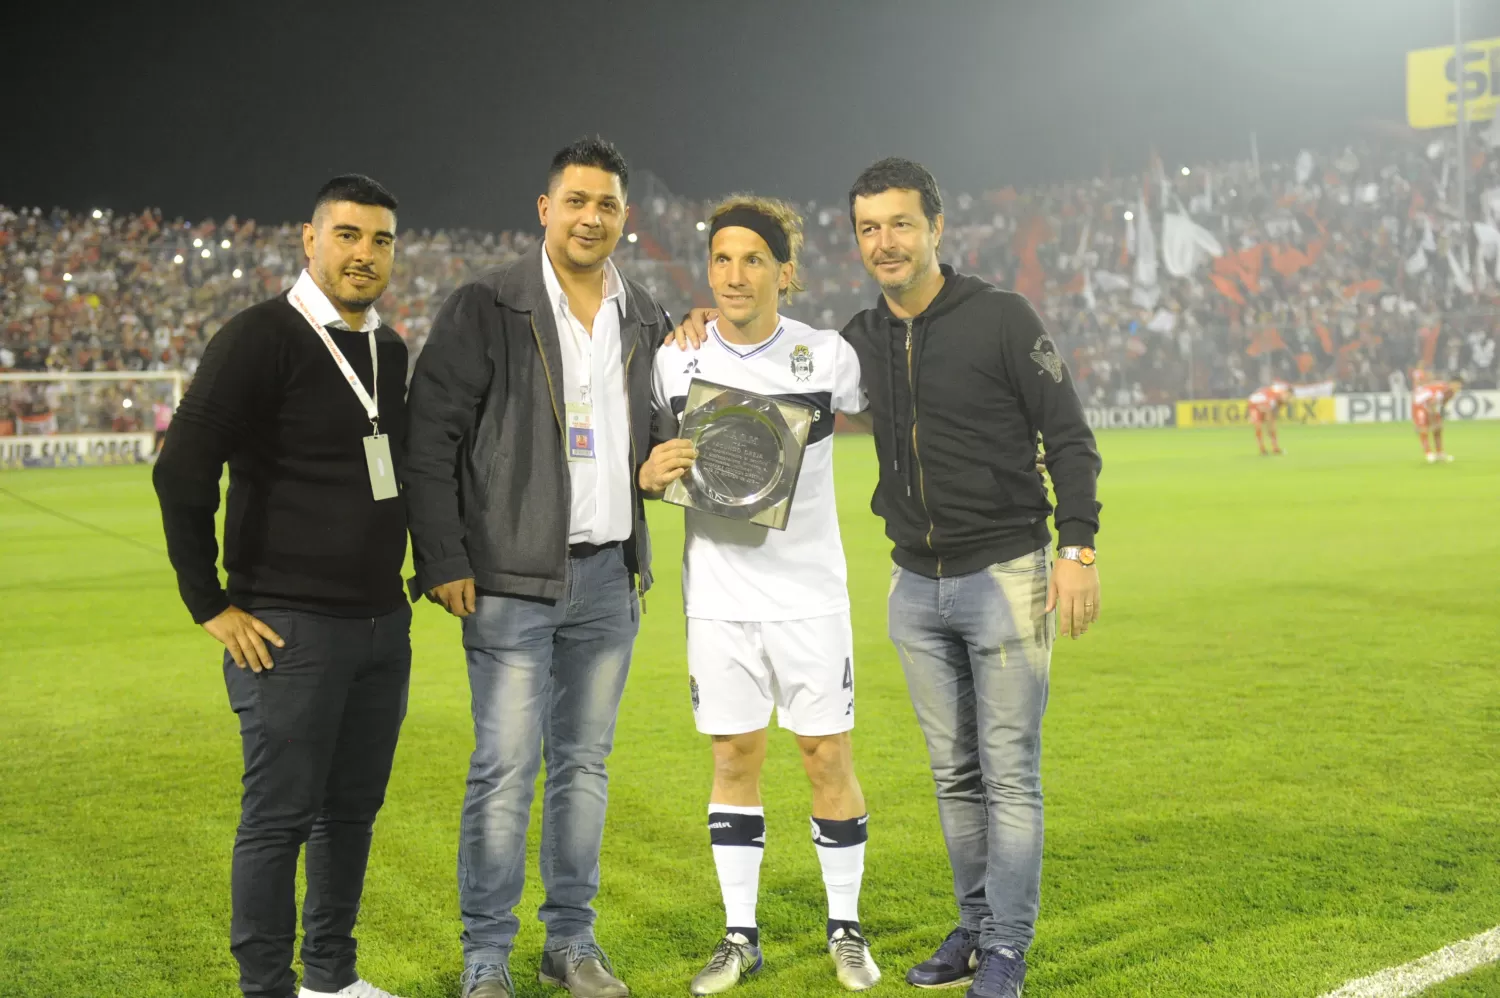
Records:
x=67, y=277
x=631, y=238
x=1129, y=216
x=197, y=243
x=1186, y=171
x=206, y=254
x=702, y=226
x=98, y=213
x=177, y=258
x=127, y=403
x=224, y=244
x=238, y=273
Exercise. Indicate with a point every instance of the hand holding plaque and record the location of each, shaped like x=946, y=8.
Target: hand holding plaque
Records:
x=749, y=451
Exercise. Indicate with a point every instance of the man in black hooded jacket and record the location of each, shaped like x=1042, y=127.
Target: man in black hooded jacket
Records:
x=963, y=380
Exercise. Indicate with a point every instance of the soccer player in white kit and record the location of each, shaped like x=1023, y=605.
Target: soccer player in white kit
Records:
x=768, y=610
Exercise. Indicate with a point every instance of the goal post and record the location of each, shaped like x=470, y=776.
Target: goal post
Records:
x=68, y=418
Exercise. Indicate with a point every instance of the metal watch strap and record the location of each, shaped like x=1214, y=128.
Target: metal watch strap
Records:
x=1073, y=552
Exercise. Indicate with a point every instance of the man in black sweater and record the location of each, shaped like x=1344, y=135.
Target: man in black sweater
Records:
x=303, y=396
x=963, y=379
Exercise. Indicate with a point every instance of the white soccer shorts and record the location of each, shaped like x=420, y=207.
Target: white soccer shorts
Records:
x=739, y=670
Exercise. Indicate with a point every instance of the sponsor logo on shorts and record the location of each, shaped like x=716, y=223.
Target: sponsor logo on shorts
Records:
x=693, y=689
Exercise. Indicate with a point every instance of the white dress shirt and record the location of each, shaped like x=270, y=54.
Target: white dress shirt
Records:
x=325, y=311
x=594, y=374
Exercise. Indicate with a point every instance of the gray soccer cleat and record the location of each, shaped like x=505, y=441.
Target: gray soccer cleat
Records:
x=734, y=958
x=851, y=958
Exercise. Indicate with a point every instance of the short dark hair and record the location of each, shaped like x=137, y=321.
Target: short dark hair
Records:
x=895, y=173
x=590, y=151
x=355, y=187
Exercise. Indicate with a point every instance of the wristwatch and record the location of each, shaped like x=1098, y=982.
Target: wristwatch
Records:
x=1084, y=556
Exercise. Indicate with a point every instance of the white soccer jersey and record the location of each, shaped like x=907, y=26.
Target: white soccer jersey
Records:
x=735, y=570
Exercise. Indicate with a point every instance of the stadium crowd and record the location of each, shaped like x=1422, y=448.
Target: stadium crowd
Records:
x=1347, y=268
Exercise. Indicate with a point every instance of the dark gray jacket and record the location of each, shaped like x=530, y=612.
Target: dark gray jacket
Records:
x=487, y=490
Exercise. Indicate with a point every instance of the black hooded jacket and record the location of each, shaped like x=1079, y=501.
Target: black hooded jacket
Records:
x=959, y=396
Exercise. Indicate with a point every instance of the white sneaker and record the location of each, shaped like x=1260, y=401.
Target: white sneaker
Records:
x=1445, y=457
x=852, y=962
x=359, y=989
x=1432, y=458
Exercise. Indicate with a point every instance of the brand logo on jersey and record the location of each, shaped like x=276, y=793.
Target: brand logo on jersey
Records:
x=802, y=365
x=693, y=689
x=1045, y=355
x=692, y=367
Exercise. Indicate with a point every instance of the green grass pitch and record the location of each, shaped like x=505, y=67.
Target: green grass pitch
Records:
x=1271, y=768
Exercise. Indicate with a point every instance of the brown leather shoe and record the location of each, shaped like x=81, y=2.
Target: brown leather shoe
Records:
x=583, y=970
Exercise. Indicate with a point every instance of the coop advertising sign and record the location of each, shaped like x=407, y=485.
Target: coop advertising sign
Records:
x=1236, y=412
x=1129, y=417
x=75, y=448
x=1388, y=407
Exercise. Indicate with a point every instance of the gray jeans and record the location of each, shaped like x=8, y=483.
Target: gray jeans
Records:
x=546, y=680
x=976, y=650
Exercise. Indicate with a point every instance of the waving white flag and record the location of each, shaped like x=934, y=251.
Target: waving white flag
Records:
x=1186, y=245
x=1145, y=248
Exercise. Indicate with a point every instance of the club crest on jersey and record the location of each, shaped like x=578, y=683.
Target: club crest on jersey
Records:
x=802, y=365
x=1045, y=355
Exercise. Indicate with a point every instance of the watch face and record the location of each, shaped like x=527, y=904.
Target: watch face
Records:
x=1086, y=556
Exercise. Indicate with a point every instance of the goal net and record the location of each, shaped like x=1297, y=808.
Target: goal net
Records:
x=63, y=419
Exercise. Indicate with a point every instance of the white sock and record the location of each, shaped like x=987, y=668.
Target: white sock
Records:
x=841, y=854
x=738, y=835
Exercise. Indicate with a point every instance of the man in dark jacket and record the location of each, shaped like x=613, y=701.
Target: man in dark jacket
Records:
x=962, y=380
x=530, y=425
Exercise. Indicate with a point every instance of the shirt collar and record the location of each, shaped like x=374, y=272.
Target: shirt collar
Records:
x=614, y=284
x=324, y=310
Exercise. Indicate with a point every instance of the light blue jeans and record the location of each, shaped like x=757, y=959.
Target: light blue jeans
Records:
x=976, y=650
x=546, y=680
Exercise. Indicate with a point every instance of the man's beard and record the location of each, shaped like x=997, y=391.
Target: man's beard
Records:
x=358, y=304
x=918, y=273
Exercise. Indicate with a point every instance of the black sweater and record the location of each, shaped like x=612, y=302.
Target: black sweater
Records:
x=959, y=397
x=302, y=529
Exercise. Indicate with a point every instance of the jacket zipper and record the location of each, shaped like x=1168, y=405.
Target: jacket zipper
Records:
x=562, y=436
x=916, y=457
x=640, y=575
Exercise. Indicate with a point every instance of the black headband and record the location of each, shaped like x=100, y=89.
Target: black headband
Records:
x=759, y=223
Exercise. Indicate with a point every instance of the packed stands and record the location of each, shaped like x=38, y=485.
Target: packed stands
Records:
x=1348, y=268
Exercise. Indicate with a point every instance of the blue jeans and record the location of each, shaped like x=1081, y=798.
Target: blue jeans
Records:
x=546, y=680
x=976, y=650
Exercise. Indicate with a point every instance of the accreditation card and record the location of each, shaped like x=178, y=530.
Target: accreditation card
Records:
x=382, y=469
x=580, y=431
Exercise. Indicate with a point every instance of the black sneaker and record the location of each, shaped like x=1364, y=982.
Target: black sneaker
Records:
x=1001, y=974
x=952, y=966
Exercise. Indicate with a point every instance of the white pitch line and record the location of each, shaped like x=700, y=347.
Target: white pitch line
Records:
x=1419, y=975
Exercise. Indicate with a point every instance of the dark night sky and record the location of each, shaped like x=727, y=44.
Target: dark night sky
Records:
x=212, y=109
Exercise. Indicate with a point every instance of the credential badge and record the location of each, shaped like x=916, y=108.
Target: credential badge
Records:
x=802, y=365
x=1045, y=355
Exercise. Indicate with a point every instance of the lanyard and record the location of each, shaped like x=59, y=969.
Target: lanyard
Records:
x=372, y=407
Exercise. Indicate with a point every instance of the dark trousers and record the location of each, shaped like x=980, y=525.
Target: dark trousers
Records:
x=319, y=732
